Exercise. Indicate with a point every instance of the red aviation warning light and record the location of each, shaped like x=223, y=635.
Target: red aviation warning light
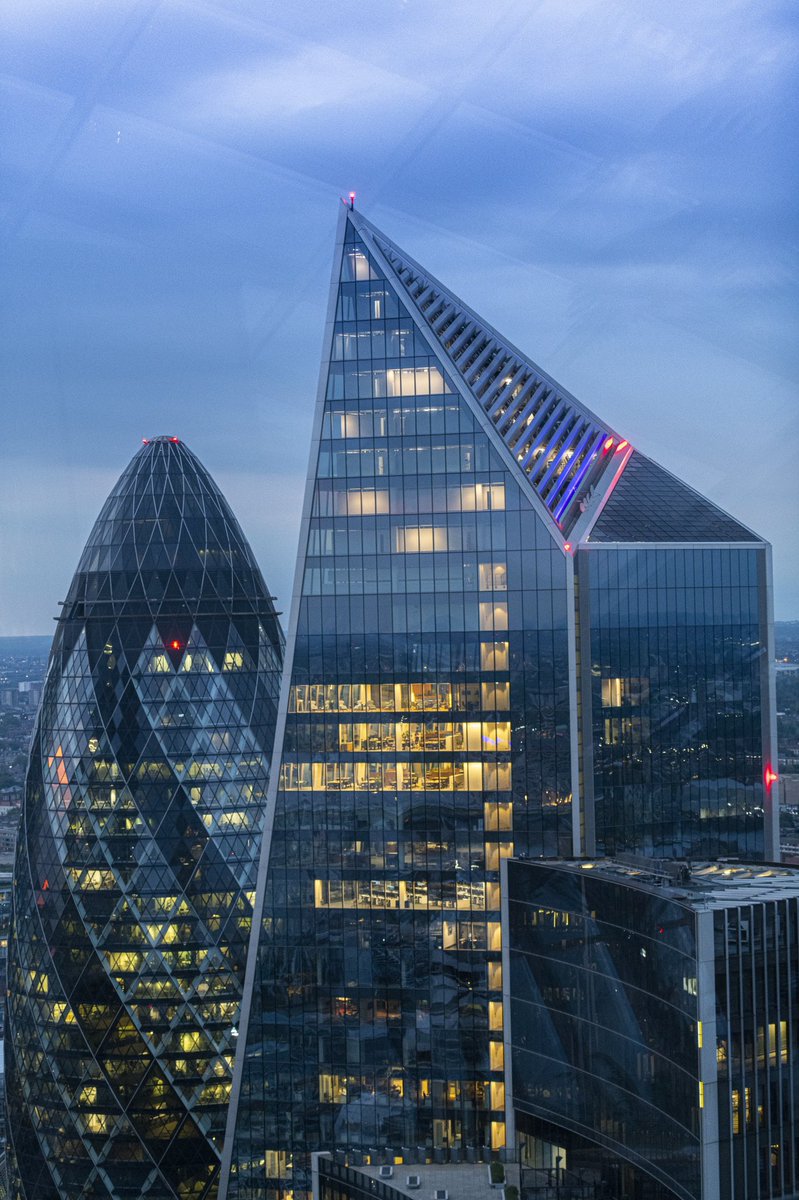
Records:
x=770, y=777
x=622, y=446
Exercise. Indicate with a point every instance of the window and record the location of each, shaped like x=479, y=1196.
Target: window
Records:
x=493, y=615
x=496, y=696
x=482, y=497
x=493, y=577
x=619, y=691
x=420, y=539
x=494, y=656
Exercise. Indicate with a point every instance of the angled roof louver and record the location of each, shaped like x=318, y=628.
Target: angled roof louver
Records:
x=561, y=447
x=571, y=458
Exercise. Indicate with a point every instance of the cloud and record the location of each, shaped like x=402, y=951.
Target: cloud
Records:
x=305, y=81
x=26, y=17
x=531, y=59
x=604, y=180
x=268, y=508
x=48, y=511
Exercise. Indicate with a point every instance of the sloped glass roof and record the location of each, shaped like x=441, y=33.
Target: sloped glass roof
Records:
x=648, y=504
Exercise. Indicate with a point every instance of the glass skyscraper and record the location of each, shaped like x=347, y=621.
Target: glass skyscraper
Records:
x=511, y=634
x=137, y=854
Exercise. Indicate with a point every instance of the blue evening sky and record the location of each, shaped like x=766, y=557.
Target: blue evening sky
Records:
x=610, y=183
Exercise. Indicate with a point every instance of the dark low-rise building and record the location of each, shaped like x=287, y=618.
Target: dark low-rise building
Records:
x=652, y=1025
x=382, y=1177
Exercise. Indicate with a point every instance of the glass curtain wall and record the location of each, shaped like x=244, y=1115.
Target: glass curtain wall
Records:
x=757, y=1022
x=676, y=662
x=426, y=739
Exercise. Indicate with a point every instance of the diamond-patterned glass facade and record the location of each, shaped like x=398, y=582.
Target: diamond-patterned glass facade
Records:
x=137, y=854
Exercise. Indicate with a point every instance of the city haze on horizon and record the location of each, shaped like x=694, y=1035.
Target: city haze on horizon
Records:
x=618, y=209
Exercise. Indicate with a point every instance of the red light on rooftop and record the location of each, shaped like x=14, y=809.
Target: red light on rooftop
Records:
x=175, y=645
x=622, y=446
x=145, y=441
x=567, y=547
x=770, y=776
x=174, y=439
x=608, y=443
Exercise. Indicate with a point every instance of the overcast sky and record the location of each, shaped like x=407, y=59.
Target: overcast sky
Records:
x=611, y=183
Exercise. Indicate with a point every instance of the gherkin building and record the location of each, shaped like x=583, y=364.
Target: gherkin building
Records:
x=135, y=872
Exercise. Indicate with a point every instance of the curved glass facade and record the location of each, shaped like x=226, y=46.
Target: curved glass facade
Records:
x=653, y=1025
x=136, y=863
x=604, y=1018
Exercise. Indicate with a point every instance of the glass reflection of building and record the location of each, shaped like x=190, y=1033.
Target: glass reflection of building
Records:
x=449, y=629
x=676, y=685
x=136, y=864
x=652, y=1034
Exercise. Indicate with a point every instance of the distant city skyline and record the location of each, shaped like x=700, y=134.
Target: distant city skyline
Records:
x=620, y=209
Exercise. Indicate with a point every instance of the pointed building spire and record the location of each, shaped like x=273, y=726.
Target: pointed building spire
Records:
x=563, y=450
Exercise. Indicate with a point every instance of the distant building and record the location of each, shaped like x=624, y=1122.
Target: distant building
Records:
x=653, y=1032
x=29, y=692
x=25, y=694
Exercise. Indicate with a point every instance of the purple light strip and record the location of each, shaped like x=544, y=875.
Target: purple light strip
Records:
x=589, y=462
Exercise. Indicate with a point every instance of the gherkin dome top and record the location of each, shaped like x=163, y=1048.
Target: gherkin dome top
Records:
x=165, y=542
